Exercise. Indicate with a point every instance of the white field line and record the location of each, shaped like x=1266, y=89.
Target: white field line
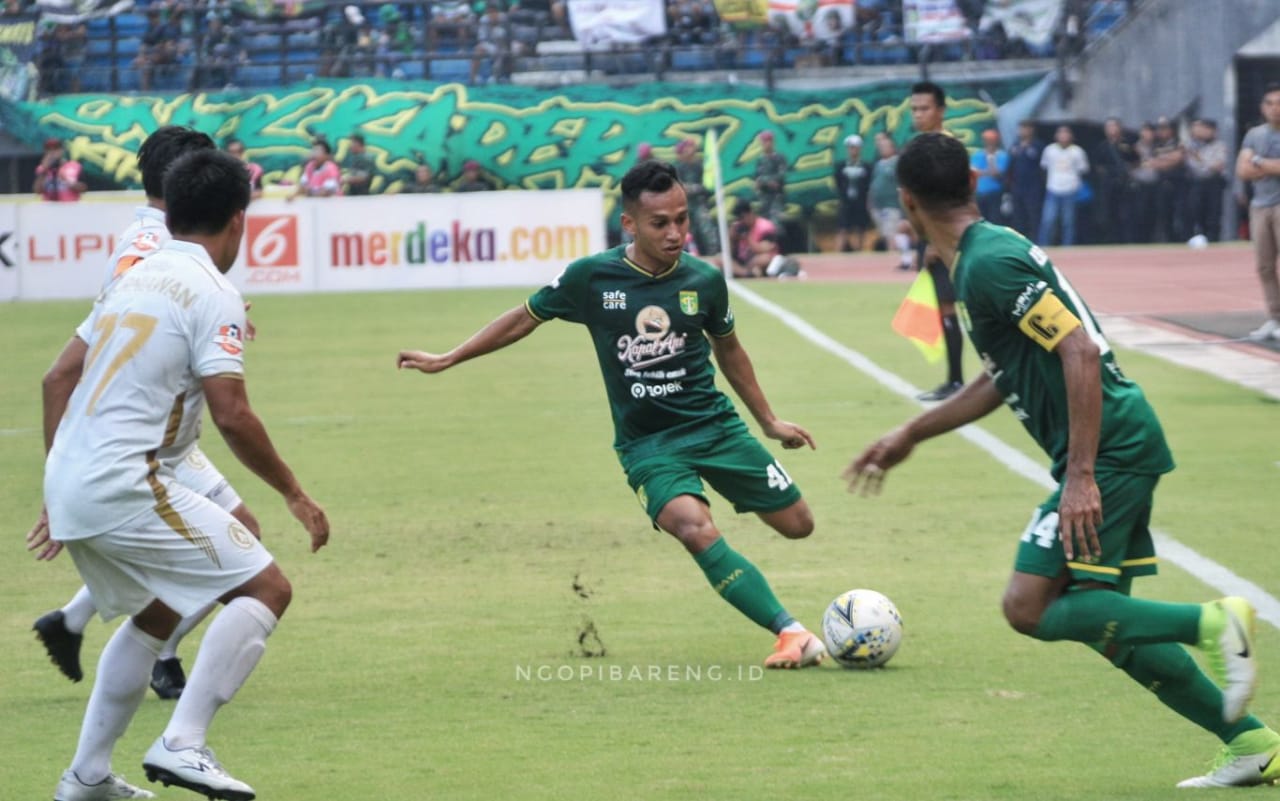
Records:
x=1206, y=570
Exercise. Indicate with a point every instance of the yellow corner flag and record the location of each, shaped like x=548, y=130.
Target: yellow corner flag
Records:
x=919, y=320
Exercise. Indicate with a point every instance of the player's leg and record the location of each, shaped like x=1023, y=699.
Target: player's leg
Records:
x=1168, y=672
x=672, y=495
x=198, y=474
x=123, y=667
x=228, y=563
x=746, y=474
x=1050, y=598
x=61, y=632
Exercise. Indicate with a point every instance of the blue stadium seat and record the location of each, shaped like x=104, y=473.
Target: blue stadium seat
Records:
x=688, y=60
x=448, y=70
x=259, y=75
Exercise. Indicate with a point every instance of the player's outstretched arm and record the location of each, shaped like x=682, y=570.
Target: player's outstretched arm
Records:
x=736, y=366
x=247, y=438
x=1080, y=508
x=509, y=328
x=974, y=401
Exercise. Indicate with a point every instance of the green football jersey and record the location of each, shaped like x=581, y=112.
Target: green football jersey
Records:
x=1017, y=307
x=648, y=335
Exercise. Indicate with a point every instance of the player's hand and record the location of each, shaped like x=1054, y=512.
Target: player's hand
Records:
x=250, y=332
x=790, y=435
x=312, y=518
x=38, y=539
x=866, y=473
x=1079, y=515
x=421, y=360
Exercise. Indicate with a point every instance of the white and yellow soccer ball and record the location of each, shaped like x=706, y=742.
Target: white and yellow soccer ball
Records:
x=861, y=629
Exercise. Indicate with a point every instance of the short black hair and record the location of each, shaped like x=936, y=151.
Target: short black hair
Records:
x=1274, y=86
x=320, y=141
x=203, y=190
x=647, y=176
x=741, y=207
x=934, y=168
x=162, y=148
x=930, y=88
x=355, y=137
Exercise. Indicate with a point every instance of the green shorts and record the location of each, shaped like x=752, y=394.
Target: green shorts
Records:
x=1125, y=534
x=737, y=466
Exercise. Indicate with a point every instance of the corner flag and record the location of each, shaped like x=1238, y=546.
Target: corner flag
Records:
x=919, y=320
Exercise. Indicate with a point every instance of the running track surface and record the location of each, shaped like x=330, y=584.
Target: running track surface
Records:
x=1143, y=282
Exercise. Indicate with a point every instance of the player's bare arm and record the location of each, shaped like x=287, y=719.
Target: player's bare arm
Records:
x=975, y=400
x=247, y=438
x=509, y=328
x=1080, y=509
x=56, y=388
x=736, y=366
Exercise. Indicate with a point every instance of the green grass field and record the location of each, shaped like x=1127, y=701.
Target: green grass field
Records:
x=432, y=649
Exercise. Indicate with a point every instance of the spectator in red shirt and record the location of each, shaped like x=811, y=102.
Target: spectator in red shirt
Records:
x=58, y=177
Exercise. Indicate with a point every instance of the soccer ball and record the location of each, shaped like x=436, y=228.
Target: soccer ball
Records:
x=861, y=629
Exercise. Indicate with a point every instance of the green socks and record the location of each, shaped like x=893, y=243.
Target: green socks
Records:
x=1168, y=671
x=1103, y=616
x=740, y=583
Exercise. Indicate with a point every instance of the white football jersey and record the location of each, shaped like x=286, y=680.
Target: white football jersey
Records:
x=160, y=328
x=144, y=237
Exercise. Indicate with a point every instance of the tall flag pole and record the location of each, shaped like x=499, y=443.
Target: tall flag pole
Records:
x=711, y=173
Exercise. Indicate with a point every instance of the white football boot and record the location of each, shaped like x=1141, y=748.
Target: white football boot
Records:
x=70, y=788
x=196, y=769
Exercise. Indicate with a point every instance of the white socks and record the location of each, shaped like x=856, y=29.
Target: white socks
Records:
x=185, y=627
x=78, y=610
x=229, y=652
x=124, y=671
x=903, y=243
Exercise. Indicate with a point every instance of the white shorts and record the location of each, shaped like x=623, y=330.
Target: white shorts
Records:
x=198, y=474
x=189, y=557
x=887, y=221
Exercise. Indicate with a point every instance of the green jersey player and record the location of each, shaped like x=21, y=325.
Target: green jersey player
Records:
x=1046, y=359
x=656, y=316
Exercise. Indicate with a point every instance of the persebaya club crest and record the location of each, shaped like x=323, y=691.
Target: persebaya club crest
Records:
x=689, y=302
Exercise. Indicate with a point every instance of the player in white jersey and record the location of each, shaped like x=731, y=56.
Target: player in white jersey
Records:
x=61, y=629
x=164, y=340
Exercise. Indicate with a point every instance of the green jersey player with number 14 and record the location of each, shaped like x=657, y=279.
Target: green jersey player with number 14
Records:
x=656, y=315
x=1045, y=357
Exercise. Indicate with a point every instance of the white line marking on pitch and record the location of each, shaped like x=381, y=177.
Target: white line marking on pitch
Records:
x=1203, y=568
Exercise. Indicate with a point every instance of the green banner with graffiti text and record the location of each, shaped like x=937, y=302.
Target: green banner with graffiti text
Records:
x=575, y=137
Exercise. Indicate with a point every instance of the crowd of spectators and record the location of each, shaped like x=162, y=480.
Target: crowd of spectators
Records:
x=1164, y=182
x=205, y=43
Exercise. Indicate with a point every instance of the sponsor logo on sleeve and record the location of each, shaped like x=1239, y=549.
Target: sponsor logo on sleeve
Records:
x=230, y=339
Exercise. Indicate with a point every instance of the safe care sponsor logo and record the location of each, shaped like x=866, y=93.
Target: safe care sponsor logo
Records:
x=455, y=243
x=271, y=249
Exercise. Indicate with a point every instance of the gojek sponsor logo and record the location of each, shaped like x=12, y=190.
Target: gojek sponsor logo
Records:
x=455, y=243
